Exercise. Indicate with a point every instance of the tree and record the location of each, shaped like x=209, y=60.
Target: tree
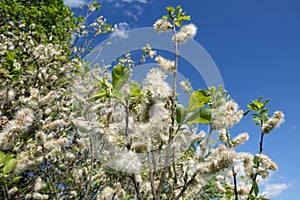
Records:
x=71, y=132
x=36, y=71
x=146, y=140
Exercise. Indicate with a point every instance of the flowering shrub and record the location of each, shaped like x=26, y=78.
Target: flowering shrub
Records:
x=71, y=132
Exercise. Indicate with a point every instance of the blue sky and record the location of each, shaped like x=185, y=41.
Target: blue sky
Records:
x=256, y=47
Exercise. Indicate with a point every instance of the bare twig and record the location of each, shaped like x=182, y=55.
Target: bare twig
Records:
x=89, y=182
x=151, y=178
x=136, y=187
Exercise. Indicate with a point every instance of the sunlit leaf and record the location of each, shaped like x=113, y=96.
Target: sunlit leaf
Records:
x=198, y=99
x=202, y=116
x=180, y=113
x=120, y=75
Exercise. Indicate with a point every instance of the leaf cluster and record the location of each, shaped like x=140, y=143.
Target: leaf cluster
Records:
x=8, y=163
x=258, y=106
x=177, y=15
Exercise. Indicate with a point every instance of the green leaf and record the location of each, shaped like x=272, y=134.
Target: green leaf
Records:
x=117, y=94
x=178, y=23
x=170, y=10
x=253, y=107
x=246, y=112
x=256, y=119
x=8, y=157
x=180, y=113
x=14, y=180
x=2, y=157
x=99, y=95
x=258, y=104
x=120, y=75
x=186, y=18
x=266, y=102
x=202, y=116
x=135, y=89
x=10, y=165
x=198, y=99
x=11, y=55
x=264, y=111
x=251, y=196
x=255, y=188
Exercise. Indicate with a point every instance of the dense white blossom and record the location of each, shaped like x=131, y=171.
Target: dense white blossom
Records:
x=162, y=25
x=185, y=33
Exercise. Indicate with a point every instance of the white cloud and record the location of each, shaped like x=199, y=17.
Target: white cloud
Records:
x=74, y=3
x=118, y=5
x=275, y=190
x=131, y=1
x=271, y=189
x=130, y=14
x=139, y=9
x=121, y=32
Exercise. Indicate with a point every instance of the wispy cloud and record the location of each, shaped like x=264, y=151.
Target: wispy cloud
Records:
x=74, y=3
x=130, y=14
x=121, y=32
x=275, y=190
x=131, y=8
x=139, y=9
x=132, y=1
x=272, y=189
x=118, y=5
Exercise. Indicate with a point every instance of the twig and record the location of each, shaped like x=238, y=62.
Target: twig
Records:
x=233, y=169
x=258, y=163
x=185, y=187
x=173, y=111
x=151, y=178
x=46, y=172
x=136, y=187
x=89, y=182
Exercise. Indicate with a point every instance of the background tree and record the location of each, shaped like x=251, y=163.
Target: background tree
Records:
x=36, y=71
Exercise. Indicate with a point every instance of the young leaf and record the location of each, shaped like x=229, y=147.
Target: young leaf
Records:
x=2, y=157
x=170, y=10
x=180, y=113
x=135, y=89
x=10, y=165
x=99, y=95
x=251, y=197
x=198, y=99
x=120, y=75
x=117, y=94
x=10, y=55
x=255, y=188
x=202, y=116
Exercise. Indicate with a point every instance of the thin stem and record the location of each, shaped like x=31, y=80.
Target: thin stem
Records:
x=228, y=143
x=4, y=188
x=136, y=187
x=185, y=187
x=173, y=111
x=89, y=182
x=5, y=99
x=127, y=117
x=235, y=184
x=261, y=143
x=258, y=163
x=260, y=152
x=151, y=178
x=47, y=173
x=206, y=142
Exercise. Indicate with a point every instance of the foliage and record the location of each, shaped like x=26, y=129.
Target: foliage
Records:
x=71, y=132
